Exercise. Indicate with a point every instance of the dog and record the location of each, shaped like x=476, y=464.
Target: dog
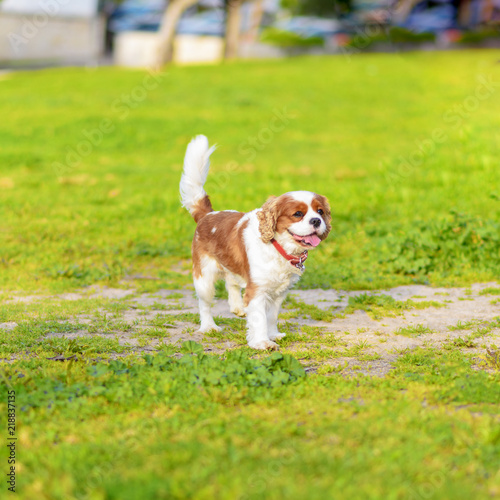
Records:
x=262, y=251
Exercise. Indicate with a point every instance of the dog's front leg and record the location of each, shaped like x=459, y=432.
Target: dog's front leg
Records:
x=257, y=324
x=272, y=317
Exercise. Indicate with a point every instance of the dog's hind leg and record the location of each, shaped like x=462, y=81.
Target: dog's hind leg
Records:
x=234, y=296
x=204, y=285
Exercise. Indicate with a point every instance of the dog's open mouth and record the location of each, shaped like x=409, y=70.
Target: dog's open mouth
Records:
x=311, y=240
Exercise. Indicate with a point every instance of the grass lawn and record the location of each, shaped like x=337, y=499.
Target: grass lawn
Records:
x=406, y=147
x=74, y=214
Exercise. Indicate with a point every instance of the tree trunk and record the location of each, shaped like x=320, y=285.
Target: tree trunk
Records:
x=403, y=9
x=233, y=26
x=258, y=12
x=167, y=30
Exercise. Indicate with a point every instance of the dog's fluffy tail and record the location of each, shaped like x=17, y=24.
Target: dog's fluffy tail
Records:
x=194, y=176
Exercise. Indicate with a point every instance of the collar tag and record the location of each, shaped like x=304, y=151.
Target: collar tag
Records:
x=297, y=262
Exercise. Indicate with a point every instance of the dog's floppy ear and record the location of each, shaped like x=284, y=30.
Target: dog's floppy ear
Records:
x=268, y=217
x=327, y=215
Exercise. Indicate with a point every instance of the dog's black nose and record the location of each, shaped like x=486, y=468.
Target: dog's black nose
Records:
x=315, y=222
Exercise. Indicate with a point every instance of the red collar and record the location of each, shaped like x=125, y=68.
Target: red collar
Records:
x=294, y=260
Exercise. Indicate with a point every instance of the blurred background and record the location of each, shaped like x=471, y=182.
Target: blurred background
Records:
x=150, y=33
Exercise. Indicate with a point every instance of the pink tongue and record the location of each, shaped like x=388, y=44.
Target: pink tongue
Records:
x=312, y=239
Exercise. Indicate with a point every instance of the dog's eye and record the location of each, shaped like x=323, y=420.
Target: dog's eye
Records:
x=320, y=212
x=298, y=214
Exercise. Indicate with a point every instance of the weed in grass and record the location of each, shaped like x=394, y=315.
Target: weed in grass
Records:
x=187, y=317
x=328, y=369
x=490, y=291
x=288, y=315
x=158, y=306
x=27, y=334
x=467, y=342
x=120, y=378
x=312, y=331
x=168, y=349
x=118, y=306
x=463, y=384
x=287, y=327
x=233, y=323
x=313, y=352
x=379, y=306
x=75, y=275
x=331, y=339
x=154, y=333
x=226, y=335
x=161, y=321
x=438, y=245
x=143, y=341
x=308, y=310
x=123, y=326
x=68, y=347
x=369, y=357
x=493, y=358
x=484, y=327
x=355, y=351
x=413, y=330
x=84, y=346
x=319, y=352
x=101, y=323
x=465, y=325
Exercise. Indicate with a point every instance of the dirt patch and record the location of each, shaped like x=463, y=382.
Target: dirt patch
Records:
x=385, y=338
x=348, y=341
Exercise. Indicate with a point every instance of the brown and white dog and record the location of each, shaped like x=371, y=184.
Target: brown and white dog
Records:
x=261, y=251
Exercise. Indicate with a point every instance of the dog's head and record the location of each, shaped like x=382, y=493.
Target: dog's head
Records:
x=300, y=219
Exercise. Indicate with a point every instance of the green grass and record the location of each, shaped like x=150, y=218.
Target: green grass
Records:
x=246, y=424
x=380, y=305
x=351, y=126
x=204, y=427
x=186, y=424
x=490, y=291
x=413, y=330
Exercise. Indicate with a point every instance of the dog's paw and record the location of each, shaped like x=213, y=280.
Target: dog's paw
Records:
x=277, y=335
x=264, y=345
x=209, y=328
x=238, y=312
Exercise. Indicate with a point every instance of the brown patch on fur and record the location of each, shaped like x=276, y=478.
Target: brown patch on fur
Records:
x=287, y=208
x=197, y=256
x=321, y=202
x=277, y=214
x=250, y=291
x=225, y=245
x=202, y=208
